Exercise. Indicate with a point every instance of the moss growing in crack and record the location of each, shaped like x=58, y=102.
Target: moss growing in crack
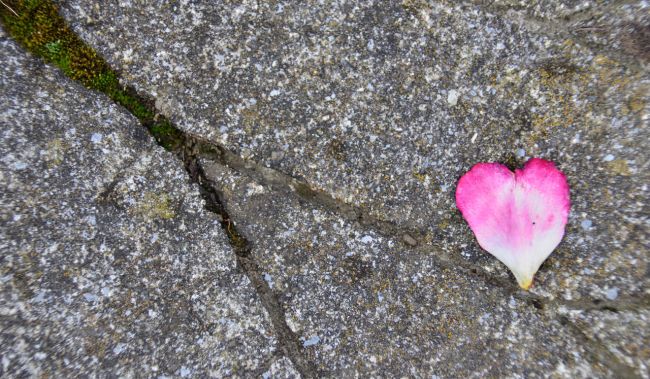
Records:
x=38, y=27
x=166, y=134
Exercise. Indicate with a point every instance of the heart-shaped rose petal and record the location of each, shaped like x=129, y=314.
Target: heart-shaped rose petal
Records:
x=517, y=217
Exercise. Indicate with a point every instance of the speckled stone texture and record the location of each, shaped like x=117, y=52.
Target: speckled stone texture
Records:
x=364, y=305
x=109, y=265
x=383, y=105
x=625, y=334
x=380, y=105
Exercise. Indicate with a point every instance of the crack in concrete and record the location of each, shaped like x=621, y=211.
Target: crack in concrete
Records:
x=183, y=146
x=627, y=303
x=281, y=182
x=550, y=308
x=288, y=341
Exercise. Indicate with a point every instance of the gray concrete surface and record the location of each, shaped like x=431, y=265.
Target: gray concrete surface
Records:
x=383, y=105
x=110, y=266
x=625, y=334
x=332, y=110
x=364, y=305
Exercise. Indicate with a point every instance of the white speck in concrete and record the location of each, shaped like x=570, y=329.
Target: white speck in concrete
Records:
x=185, y=372
x=269, y=279
x=6, y=278
x=612, y=293
x=474, y=137
x=452, y=97
x=120, y=347
x=96, y=137
x=254, y=189
x=91, y=220
x=586, y=224
x=19, y=165
x=312, y=341
x=40, y=297
x=576, y=139
x=521, y=153
x=366, y=239
x=608, y=158
x=273, y=93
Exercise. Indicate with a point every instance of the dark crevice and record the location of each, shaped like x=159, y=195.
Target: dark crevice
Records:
x=622, y=304
x=537, y=304
x=288, y=341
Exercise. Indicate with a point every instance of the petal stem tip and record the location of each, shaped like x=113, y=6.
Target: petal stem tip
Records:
x=526, y=283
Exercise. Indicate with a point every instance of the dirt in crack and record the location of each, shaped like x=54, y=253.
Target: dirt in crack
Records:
x=39, y=28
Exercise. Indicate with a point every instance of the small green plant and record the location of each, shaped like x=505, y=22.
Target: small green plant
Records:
x=54, y=48
x=39, y=28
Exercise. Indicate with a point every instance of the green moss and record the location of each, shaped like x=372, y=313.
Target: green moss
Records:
x=41, y=30
x=167, y=134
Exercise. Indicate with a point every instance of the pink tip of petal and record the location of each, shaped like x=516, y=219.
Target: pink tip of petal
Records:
x=517, y=217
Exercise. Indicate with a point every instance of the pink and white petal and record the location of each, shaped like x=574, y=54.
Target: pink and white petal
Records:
x=519, y=218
